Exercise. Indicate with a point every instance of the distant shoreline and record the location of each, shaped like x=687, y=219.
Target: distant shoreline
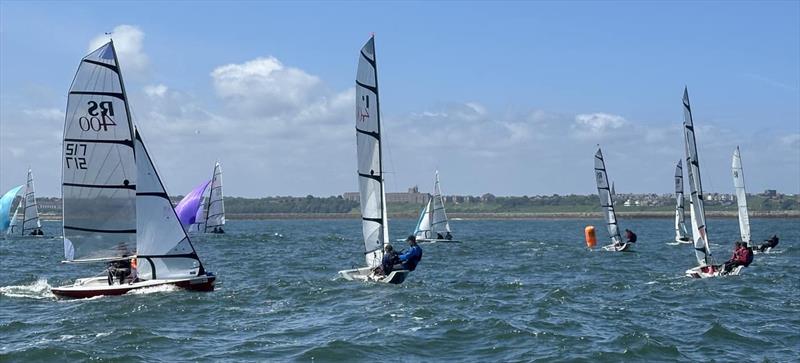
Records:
x=498, y=216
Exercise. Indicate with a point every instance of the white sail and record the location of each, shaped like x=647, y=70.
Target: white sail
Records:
x=606, y=199
x=98, y=168
x=162, y=245
x=423, y=230
x=370, y=169
x=215, y=211
x=30, y=219
x=680, y=216
x=439, y=222
x=741, y=196
x=15, y=226
x=696, y=206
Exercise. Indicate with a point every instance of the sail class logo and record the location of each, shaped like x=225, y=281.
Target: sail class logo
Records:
x=99, y=116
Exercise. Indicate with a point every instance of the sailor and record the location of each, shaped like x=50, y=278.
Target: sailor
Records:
x=448, y=236
x=439, y=236
x=770, y=243
x=390, y=258
x=411, y=257
x=134, y=276
x=748, y=254
x=630, y=236
x=739, y=258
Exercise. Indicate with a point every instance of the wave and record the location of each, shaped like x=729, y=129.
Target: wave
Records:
x=36, y=290
x=153, y=289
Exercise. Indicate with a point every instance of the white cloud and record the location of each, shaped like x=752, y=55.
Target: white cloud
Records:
x=46, y=114
x=129, y=43
x=158, y=90
x=791, y=140
x=596, y=125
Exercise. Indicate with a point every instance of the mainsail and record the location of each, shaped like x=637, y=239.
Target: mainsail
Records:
x=439, y=223
x=98, y=170
x=741, y=196
x=370, y=169
x=423, y=230
x=606, y=199
x=696, y=207
x=215, y=211
x=680, y=219
x=5, y=206
x=30, y=214
x=188, y=208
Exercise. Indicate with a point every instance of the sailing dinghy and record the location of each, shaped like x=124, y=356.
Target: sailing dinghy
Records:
x=374, y=223
x=681, y=234
x=215, y=209
x=26, y=222
x=5, y=207
x=607, y=204
x=705, y=267
x=433, y=225
x=115, y=206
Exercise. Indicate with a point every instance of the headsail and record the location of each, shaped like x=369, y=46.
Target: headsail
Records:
x=741, y=196
x=30, y=215
x=98, y=170
x=439, y=222
x=696, y=207
x=187, y=209
x=370, y=169
x=215, y=213
x=5, y=206
x=680, y=216
x=423, y=229
x=160, y=239
x=606, y=199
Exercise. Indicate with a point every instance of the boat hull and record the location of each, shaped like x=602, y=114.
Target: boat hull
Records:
x=365, y=274
x=98, y=286
x=437, y=240
x=626, y=247
x=704, y=272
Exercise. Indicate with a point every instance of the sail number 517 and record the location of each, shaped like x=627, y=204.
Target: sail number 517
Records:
x=75, y=156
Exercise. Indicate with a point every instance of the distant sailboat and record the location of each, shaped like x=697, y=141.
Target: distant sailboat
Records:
x=5, y=207
x=433, y=225
x=681, y=234
x=115, y=206
x=374, y=223
x=190, y=208
x=706, y=267
x=215, y=210
x=741, y=197
x=607, y=204
x=26, y=217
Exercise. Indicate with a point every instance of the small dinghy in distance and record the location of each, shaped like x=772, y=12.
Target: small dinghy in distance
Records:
x=115, y=205
x=433, y=221
x=705, y=266
x=681, y=233
x=607, y=204
x=374, y=223
x=26, y=223
x=215, y=210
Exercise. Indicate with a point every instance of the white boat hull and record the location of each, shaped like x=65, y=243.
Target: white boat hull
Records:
x=437, y=240
x=365, y=274
x=702, y=272
x=626, y=247
x=98, y=286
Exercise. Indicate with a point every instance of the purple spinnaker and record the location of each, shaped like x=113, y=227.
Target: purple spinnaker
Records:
x=188, y=206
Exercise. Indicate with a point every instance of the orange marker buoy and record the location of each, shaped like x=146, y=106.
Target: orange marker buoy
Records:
x=591, y=238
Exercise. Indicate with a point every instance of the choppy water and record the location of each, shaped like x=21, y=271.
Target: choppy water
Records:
x=513, y=291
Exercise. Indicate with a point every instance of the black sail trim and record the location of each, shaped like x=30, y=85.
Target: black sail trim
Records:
x=192, y=255
x=371, y=88
x=370, y=61
x=373, y=177
x=368, y=133
x=376, y=220
x=100, y=186
x=120, y=142
x=100, y=230
x=153, y=194
x=95, y=93
x=109, y=66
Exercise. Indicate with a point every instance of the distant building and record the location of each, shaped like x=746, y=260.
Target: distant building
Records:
x=411, y=196
x=770, y=193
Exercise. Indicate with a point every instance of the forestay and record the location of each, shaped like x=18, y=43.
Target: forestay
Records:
x=606, y=199
x=680, y=216
x=5, y=206
x=188, y=208
x=161, y=240
x=370, y=168
x=741, y=197
x=423, y=230
x=439, y=222
x=98, y=168
x=696, y=207
x=215, y=211
x=30, y=215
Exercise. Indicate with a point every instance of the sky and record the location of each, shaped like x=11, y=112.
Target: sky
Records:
x=510, y=98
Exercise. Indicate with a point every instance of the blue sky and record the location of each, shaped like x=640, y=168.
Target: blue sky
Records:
x=509, y=98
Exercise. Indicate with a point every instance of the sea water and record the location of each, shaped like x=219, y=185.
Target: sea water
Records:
x=514, y=290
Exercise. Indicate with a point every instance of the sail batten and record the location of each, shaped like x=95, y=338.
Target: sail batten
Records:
x=606, y=198
x=741, y=196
